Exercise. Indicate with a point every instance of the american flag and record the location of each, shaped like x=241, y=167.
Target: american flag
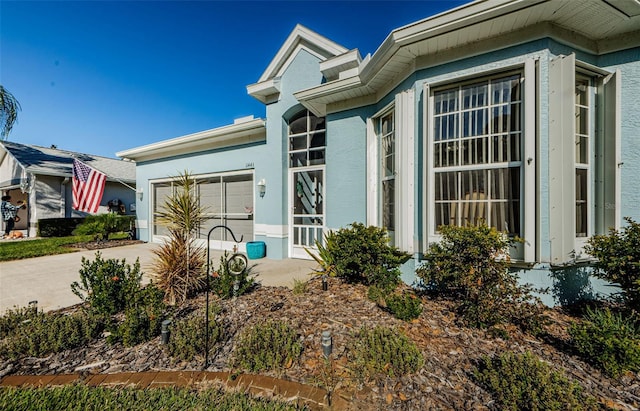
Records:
x=88, y=187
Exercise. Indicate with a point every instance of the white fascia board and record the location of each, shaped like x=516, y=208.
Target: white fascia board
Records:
x=298, y=34
x=242, y=133
x=332, y=67
x=328, y=88
x=265, y=90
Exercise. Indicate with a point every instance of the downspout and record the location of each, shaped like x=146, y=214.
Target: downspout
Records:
x=63, y=197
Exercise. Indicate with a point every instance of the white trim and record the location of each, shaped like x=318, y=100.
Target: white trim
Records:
x=618, y=137
x=529, y=162
x=562, y=198
x=233, y=134
x=271, y=230
x=372, y=172
x=299, y=34
x=426, y=170
x=405, y=157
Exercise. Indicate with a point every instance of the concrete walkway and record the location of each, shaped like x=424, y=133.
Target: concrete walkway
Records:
x=47, y=280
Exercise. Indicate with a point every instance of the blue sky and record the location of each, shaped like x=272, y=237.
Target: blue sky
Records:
x=100, y=77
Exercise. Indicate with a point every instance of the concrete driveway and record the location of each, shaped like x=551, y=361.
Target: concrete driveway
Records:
x=48, y=279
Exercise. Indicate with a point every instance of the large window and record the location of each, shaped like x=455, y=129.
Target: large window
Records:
x=477, y=153
x=307, y=140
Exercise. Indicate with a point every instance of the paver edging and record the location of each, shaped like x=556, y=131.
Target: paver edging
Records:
x=261, y=385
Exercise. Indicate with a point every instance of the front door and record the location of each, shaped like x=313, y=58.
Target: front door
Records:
x=306, y=222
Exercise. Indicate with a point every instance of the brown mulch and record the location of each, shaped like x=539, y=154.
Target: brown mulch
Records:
x=97, y=245
x=450, y=350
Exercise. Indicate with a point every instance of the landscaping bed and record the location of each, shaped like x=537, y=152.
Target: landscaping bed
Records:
x=450, y=351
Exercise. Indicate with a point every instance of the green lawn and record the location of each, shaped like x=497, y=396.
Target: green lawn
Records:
x=20, y=249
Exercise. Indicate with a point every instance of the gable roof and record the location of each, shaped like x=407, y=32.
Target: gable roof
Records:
x=54, y=162
x=300, y=38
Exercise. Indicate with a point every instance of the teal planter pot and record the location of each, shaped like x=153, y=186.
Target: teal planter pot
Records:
x=256, y=249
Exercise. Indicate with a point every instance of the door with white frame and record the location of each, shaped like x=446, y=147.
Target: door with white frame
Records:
x=307, y=210
x=307, y=140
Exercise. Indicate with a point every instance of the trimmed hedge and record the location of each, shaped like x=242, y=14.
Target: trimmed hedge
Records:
x=58, y=227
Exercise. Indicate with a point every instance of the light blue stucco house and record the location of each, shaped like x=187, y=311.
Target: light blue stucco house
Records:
x=521, y=114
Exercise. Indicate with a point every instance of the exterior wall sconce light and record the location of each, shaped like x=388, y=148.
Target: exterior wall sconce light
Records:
x=140, y=194
x=262, y=187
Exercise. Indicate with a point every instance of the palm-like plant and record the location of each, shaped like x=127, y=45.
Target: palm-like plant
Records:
x=179, y=268
x=9, y=108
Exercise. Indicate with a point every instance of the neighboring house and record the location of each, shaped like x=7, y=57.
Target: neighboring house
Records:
x=520, y=114
x=42, y=177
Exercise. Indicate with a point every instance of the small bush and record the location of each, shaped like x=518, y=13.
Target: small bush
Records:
x=13, y=318
x=470, y=265
x=522, y=382
x=607, y=340
x=179, y=268
x=362, y=254
x=273, y=345
x=107, y=285
x=383, y=351
x=43, y=333
x=101, y=226
x=144, y=313
x=188, y=335
x=223, y=281
x=405, y=306
x=299, y=286
x=618, y=261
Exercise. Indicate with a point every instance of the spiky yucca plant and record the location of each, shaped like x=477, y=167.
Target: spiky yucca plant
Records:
x=179, y=267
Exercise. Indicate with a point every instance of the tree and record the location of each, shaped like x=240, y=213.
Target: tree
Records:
x=179, y=268
x=9, y=108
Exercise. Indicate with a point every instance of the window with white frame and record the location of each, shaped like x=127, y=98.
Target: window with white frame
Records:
x=583, y=141
x=476, y=151
x=385, y=132
x=307, y=140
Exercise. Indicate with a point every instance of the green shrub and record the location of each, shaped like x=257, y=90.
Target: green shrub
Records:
x=188, y=335
x=382, y=351
x=273, y=345
x=405, y=306
x=58, y=227
x=12, y=319
x=299, y=286
x=609, y=341
x=43, y=333
x=470, y=265
x=618, y=260
x=523, y=382
x=362, y=254
x=144, y=313
x=223, y=282
x=103, y=225
x=107, y=285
